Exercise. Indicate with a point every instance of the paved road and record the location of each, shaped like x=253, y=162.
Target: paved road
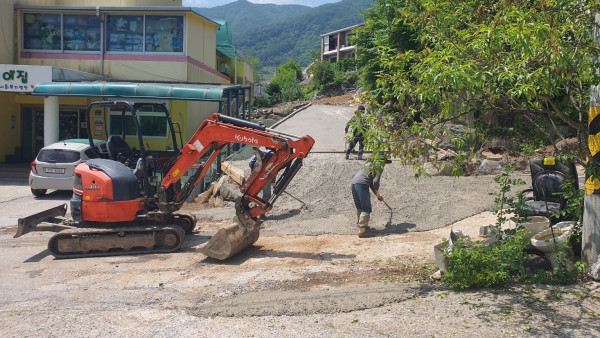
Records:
x=17, y=201
x=324, y=123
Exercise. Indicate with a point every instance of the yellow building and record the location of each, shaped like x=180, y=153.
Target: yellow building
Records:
x=153, y=41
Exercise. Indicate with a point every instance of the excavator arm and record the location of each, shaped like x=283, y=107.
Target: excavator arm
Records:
x=286, y=153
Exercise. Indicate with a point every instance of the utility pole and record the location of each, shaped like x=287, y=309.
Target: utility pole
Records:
x=590, y=228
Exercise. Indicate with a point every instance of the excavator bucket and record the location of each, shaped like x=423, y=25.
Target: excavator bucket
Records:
x=47, y=220
x=230, y=240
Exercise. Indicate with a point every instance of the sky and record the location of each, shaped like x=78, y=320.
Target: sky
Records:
x=215, y=3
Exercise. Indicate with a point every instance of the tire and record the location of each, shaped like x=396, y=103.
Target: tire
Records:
x=38, y=192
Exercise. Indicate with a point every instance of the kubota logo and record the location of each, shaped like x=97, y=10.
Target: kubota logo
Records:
x=246, y=139
x=92, y=187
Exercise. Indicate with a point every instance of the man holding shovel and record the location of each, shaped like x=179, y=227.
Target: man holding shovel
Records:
x=357, y=132
x=363, y=181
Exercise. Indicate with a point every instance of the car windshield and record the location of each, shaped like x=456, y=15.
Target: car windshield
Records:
x=58, y=156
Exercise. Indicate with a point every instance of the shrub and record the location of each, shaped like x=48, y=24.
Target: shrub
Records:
x=261, y=102
x=475, y=264
x=324, y=74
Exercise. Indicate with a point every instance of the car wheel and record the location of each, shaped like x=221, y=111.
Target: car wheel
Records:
x=38, y=192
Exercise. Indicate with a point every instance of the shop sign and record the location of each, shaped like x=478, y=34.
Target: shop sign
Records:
x=19, y=78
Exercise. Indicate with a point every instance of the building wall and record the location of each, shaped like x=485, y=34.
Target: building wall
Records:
x=248, y=73
x=8, y=134
x=196, y=113
x=7, y=31
x=163, y=69
x=202, y=66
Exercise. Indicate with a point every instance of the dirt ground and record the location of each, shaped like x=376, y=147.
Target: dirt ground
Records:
x=308, y=275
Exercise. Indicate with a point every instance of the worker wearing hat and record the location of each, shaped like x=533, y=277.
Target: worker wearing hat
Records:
x=363, y=181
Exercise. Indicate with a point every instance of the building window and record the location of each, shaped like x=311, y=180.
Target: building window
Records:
x=42, y=31
x=333, y=42
x=150, y=33
x=81, y=32
x=125, y=33
x=164, y=33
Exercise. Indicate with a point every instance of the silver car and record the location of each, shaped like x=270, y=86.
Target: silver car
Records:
x=54, y=165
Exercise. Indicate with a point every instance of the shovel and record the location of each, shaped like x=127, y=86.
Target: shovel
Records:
x=391, y=214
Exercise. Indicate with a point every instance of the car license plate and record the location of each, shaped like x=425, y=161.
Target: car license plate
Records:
x=54, y=170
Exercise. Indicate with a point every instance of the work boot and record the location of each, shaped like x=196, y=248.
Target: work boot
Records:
x=360, y=157
x=358, y=216
x=363, y=224
x=362, y=232
x=347, y=156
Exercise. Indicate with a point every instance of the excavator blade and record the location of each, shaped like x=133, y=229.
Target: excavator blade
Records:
x=231, y=240
x=47, y=220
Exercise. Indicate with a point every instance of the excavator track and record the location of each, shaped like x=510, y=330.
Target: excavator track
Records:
x=97, y=242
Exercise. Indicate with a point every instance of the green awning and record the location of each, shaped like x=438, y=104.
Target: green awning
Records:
x=227, y=50
x=170, y=91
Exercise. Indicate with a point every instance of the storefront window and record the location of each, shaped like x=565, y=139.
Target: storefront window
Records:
x=164, y=33
x=42, y=31
x=82, y=32
x=115, y=125
x=151, y=124
x=67, y=122
x=125, y=33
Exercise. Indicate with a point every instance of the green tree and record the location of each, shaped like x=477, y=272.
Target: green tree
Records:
x=292, y=92
x=532, y=59
x=383, y=29
x=274, y=91
x=291, y=66
x=287, y=77
x=284, y=77
x=324, y=73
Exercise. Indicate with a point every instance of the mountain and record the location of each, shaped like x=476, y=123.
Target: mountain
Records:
x=246, y=16
x=276, y=34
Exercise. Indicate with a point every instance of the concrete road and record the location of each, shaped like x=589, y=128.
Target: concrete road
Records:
x=324, y=123
x=17, y=201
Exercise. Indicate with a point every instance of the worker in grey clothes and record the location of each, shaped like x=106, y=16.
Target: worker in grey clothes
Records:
x=357, y=132
x=362, y=182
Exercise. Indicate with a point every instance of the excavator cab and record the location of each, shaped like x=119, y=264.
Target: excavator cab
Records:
x=129, y=126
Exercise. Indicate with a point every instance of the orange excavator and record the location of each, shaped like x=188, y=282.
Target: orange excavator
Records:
x=126, y=200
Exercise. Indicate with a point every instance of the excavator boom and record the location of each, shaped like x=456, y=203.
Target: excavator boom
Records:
x=286, y=153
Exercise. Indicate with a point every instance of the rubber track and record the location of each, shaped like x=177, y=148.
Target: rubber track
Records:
x=96, y=232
